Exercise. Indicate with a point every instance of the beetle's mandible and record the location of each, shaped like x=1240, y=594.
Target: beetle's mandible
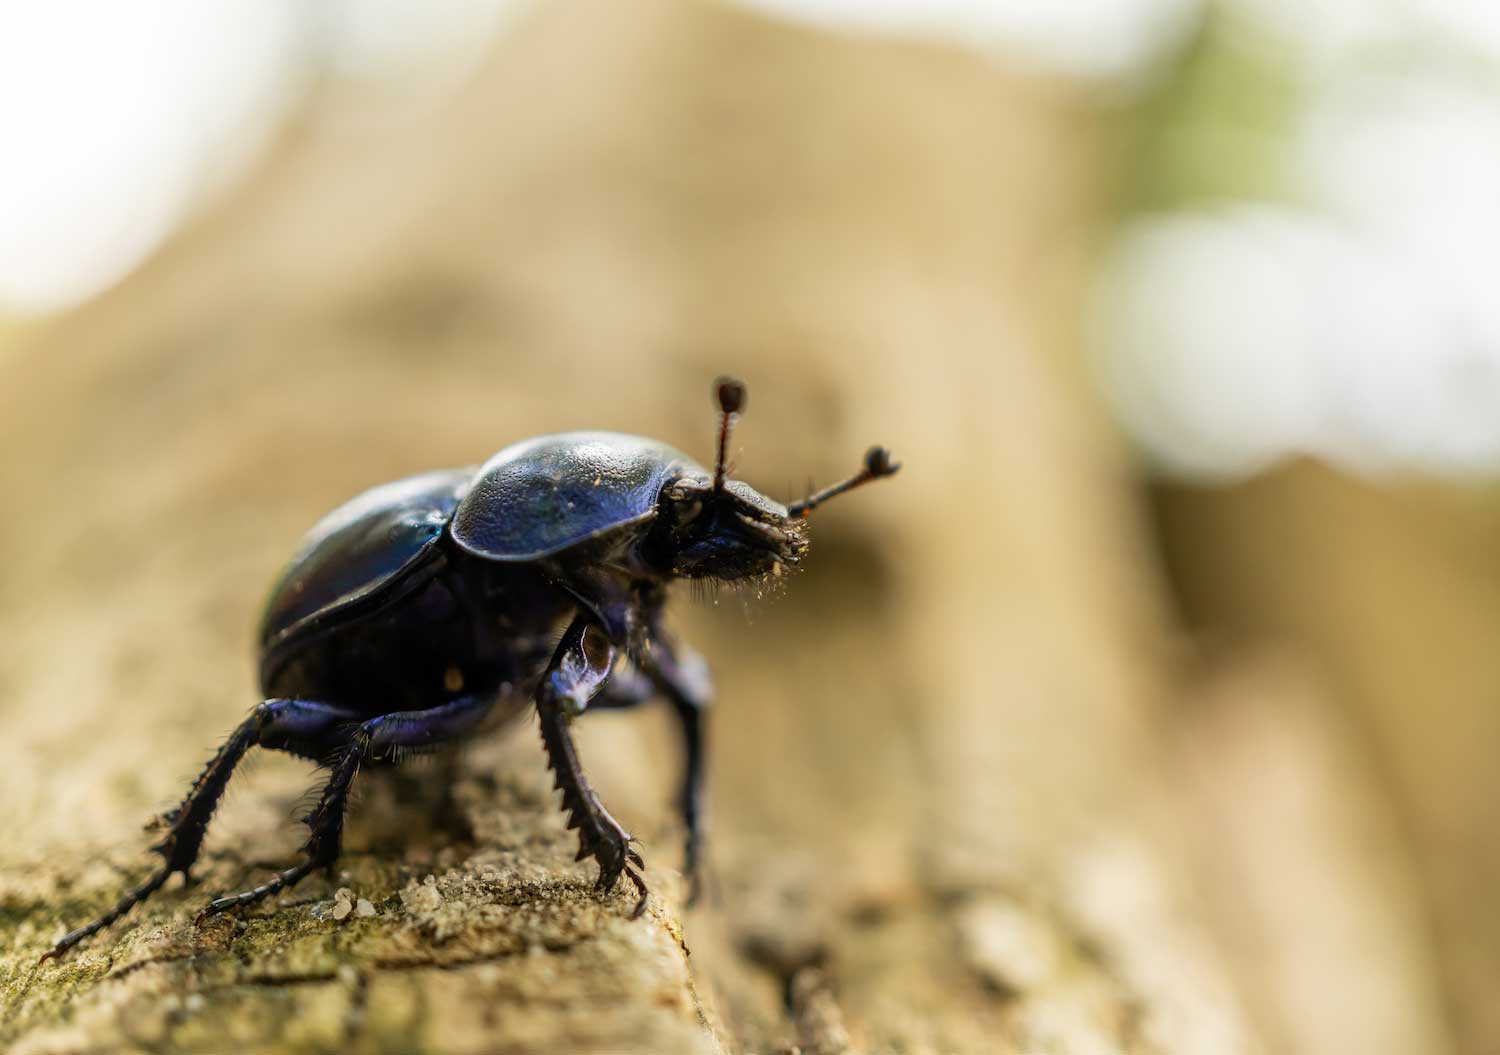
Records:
x=421, y=610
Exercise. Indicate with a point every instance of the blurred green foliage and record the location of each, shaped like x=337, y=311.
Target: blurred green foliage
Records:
x=1217, y=127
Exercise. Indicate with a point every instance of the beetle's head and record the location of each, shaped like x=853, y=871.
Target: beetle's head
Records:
x=725, y=529
x=729, y=532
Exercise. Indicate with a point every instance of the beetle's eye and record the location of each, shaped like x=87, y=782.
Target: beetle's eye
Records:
x=682, y=501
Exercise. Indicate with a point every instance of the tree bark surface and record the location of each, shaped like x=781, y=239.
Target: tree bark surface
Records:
x=943, y=815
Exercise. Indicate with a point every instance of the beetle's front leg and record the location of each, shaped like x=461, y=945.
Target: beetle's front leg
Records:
x=578, y=670
x=679, y=675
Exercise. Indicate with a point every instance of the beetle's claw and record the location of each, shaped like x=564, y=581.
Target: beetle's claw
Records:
x=640, y=886
x=610, y=845
x=216, y=907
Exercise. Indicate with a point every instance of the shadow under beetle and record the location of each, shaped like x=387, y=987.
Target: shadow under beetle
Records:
x=425, y=608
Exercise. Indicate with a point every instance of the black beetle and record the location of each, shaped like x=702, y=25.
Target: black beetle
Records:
x=425, y=608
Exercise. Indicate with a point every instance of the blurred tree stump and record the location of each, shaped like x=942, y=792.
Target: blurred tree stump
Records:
x=1390, y=593
x=943, y=821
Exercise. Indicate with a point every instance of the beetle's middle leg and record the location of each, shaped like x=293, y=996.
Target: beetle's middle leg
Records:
x=682, y=677
x=379, y=738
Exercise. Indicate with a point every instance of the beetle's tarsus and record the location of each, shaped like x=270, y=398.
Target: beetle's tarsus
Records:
x=185, y=825
x=694, y=893
x=282, y=881
x=692, y=870
x=132, y=898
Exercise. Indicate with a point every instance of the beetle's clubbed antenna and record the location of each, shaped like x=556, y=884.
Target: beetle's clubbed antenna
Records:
x=732, y=397
x=877, y=464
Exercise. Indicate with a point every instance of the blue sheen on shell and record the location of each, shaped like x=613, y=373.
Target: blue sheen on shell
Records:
x=547, y=494
x=363, y=544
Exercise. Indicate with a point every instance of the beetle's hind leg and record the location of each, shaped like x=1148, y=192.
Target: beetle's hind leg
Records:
x=273, y=723
x=377, y=739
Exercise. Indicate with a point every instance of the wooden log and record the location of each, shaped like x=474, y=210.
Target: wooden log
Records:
x=939, y=822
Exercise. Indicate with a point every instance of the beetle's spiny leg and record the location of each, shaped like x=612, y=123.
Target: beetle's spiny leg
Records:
x=186, y=826
x=273, y=723
x=576, y=674
x=584, y=813
x=188, y=823
x=130, y=900
x=379, y=737
x=290, y=877
x=325, y=823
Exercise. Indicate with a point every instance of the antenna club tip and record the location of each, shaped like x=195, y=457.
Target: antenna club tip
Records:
x=878, y=462
x=731, y=394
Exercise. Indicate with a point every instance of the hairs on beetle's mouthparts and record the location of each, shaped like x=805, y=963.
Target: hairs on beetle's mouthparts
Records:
x=707, y=590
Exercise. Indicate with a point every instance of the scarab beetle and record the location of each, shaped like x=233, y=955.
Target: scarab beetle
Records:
x=421, y=610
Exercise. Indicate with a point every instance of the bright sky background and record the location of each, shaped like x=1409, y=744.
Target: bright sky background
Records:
x=1359, y=323
x=116, y=117
x=111, y=115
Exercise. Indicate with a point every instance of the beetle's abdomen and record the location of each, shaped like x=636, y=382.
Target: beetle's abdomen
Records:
x=439, y=642
x=362, y=545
